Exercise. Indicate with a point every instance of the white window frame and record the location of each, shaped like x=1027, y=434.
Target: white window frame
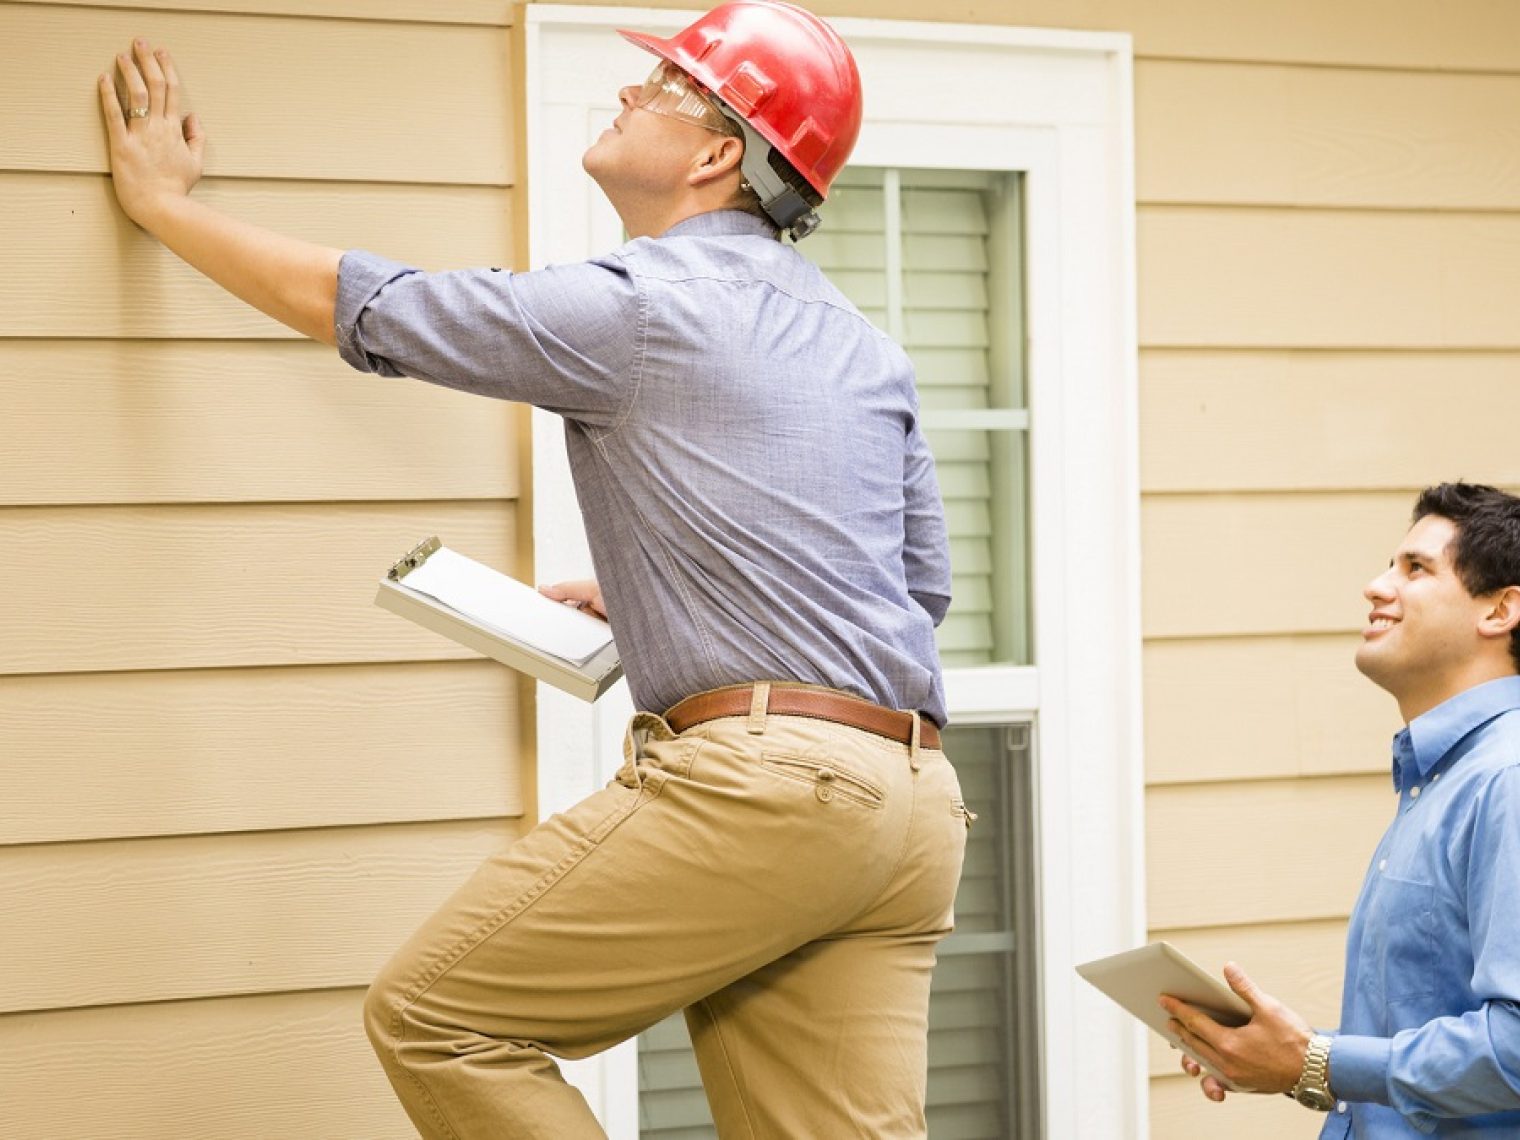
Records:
x=1057, y=107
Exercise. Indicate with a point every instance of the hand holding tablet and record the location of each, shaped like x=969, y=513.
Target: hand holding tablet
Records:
x=1137, y=978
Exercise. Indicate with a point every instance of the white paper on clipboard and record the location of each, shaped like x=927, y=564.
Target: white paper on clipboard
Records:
x=494, y=614
x=509, y=607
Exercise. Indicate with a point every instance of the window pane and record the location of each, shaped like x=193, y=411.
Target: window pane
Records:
x=934, y=259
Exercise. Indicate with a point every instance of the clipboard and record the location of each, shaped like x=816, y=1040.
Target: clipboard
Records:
x=587, y=679
x=1136, y=978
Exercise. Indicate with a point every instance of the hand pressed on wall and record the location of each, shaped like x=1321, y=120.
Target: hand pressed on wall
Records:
x=155, y=154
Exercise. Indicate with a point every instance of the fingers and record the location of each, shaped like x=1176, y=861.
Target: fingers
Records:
x=152, y=73
x=1244, y=986
x=1195, y=1043
x=134, y=89
x=580, y=590
x=1213, y=1090
x=583, y=593
x=171, y=83
x=110, y=107
x=195, y=135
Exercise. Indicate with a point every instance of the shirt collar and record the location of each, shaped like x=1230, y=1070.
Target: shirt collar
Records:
x=722, y=223
x=1428, y=739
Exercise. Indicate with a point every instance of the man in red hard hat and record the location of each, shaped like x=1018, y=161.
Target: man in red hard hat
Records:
x=779, y=854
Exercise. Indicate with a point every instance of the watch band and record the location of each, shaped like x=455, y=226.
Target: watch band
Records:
x=1313, y=1088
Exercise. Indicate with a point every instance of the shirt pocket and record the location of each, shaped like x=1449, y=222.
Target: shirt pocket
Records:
x=1399, y=945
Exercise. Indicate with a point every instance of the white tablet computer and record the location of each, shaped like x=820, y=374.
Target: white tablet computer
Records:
x=1137, y=978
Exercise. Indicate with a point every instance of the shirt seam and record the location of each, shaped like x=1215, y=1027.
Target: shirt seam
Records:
x=641, y=342
x=848, y=311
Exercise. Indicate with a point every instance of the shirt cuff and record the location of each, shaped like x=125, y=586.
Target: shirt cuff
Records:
x=1359, y=1068
x=361, y=276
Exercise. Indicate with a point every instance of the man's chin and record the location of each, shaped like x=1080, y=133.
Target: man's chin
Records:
x=1372, y=664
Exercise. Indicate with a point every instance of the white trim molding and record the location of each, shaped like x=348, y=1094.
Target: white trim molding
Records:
x=1055, y=107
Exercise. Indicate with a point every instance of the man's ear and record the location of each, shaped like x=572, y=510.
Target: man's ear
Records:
x=1503, y=613
x=718, y=157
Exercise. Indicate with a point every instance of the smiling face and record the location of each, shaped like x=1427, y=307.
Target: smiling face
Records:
x=1424, y=635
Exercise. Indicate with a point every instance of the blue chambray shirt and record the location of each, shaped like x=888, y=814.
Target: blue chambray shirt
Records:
x=1429, y=1041
x=759, y=499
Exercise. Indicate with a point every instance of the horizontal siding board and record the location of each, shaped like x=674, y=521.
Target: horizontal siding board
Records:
x=251, y=421
x=1227, y=565
x=1200, y=836
x=1289, y=278
x=97, y=756
x=1179, y=1111
x=294, y=1065
x=1253, y=708
x=497, y=13
x=91, y=273
x=1308, y=421
x=416, y=103
x=1314, y=136
x=1475, y=35
x=1300, y=964
x=159, y=919
x=96, y=588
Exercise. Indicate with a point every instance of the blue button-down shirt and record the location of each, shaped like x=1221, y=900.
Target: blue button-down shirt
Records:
x=759, y=499
x=1429, y=1041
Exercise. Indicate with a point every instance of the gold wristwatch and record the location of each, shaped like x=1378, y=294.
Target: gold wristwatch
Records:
x=1313, y=1088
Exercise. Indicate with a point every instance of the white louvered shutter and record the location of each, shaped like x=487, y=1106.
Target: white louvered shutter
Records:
x=934, y=259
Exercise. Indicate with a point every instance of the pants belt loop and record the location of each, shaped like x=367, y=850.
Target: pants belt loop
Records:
x=914, y=740
x=758, y=701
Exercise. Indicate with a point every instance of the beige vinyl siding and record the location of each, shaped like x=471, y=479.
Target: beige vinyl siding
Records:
x=242, y=1068
x=1329, y=263
x=1466, y=35
x=233, y=785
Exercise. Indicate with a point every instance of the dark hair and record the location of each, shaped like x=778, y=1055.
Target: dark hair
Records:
x=1486, y=551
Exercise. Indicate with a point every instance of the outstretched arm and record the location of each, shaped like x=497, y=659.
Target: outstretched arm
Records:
x=156, y=160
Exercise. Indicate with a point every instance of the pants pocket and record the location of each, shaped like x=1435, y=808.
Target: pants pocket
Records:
x=958, y=807
x=828, y=779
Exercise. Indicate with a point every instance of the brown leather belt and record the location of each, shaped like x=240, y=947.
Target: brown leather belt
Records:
x=820, y=704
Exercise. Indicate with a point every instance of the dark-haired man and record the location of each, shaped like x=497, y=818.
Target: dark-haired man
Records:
x=1429, y=1040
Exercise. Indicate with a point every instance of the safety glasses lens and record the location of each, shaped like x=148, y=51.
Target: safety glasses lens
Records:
x=667, y=92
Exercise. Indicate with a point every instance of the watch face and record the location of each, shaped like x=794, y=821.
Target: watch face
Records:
x=1315, y=1099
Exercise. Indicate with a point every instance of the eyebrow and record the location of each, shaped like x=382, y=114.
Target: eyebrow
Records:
x=1418, y=556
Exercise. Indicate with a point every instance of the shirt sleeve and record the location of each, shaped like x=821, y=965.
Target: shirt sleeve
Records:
x=926, y=543
x=1468, y=1064
x=564, y=339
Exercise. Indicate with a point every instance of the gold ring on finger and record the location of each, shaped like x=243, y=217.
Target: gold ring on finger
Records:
x=137, y=112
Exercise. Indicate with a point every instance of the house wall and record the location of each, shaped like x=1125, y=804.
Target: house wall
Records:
x=231, y=784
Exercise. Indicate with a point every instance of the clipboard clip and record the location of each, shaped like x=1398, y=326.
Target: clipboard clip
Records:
x=414, y=558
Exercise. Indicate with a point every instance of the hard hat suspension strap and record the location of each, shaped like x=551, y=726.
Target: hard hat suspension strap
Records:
x=786, y=207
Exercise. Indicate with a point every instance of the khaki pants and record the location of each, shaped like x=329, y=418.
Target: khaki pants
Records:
x=782, y=880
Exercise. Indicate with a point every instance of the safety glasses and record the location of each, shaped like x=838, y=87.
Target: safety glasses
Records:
x=669, y=92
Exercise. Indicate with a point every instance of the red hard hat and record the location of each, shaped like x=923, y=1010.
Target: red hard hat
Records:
x=781, y=69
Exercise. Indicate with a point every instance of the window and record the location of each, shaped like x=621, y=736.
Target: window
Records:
x=932, y=258
x=988, y=224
